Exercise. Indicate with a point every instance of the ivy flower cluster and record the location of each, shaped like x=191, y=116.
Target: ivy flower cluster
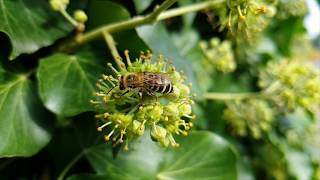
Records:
x=291, y=84
x=245, y=17
x=219, y=54
x=127, y=114
x=251, y=117
x=291, y=8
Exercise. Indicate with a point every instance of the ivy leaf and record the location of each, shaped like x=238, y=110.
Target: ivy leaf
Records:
x=87, y=177
x=106, y=12
x=30, y=25
x=299, y=163
x=67, y=82
x=75, y=137
x=188, y=18
x=24, y=128
x=141, y=5
x=202, y=155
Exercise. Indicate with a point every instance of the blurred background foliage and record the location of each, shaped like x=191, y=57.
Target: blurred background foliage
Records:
x=47, y=125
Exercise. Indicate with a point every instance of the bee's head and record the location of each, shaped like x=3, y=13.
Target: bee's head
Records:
x=121, y=83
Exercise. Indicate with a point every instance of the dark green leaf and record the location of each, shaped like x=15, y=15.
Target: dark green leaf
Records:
x=158, y=39
x=284, y=32
x=67, y=82
x=202, y=155
x=88, y=177
x=189, y=17
x=74, y=138
x=141, y=5
x=23, y=128
x=106, y=12
x=30, y=25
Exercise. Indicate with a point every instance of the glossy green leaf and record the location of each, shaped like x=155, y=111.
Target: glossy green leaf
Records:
x=299, y=163
x=88, y=177
x=285, y=36
x=202, y=155
x=160, y=42
x=30, y=25
x=102, y=12
x=23, y=127
x=189, y=17
x=141, y=5
x=67, y=82
x=75, y=137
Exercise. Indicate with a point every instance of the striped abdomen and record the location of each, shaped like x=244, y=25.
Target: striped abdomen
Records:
x=157, y=82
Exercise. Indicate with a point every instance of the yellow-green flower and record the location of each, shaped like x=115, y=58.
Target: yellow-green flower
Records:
x=219, y=54
x=244, y=18
x=292, y=84
x=251, y=117
x=126, y=115
x=287, y=8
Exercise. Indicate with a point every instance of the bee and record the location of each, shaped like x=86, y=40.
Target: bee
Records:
x=147, y=82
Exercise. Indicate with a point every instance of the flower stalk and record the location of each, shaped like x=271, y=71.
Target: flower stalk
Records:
x=113, y=48
x=232, y=96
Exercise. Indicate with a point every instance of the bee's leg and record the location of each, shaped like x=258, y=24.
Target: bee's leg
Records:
x=125, y=92
x=140, y=93
x=152, y=94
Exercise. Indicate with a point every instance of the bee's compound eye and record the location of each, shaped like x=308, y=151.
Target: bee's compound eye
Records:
x=121, y=86
x=130, y=78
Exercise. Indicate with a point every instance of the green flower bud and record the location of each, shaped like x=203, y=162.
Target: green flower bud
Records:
x=156, y=113
x=185, y=109
x=244, y=19
x=220, y=55
x=291, y=8
x=184, y=90
x=158, y=133
x=138, y=127
x=65, y=2
x=175, y=95
x=271, y=11
x=171, y=110
x=175, y=76
x=56, y=5
x=121, y=119
x=80, y=16
x=291, y=84
x=252, y=117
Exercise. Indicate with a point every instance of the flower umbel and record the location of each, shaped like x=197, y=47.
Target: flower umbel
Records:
x=292, y=84
x=249, y=117
x=245, y=17
x=219, y=54
x=126, y=114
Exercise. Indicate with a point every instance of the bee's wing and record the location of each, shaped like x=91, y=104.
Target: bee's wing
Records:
x=156, y=79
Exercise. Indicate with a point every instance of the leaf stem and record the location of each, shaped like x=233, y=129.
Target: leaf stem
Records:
x=232, y=96
x=156, y=15
x=113, y=48
x=70, y=165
